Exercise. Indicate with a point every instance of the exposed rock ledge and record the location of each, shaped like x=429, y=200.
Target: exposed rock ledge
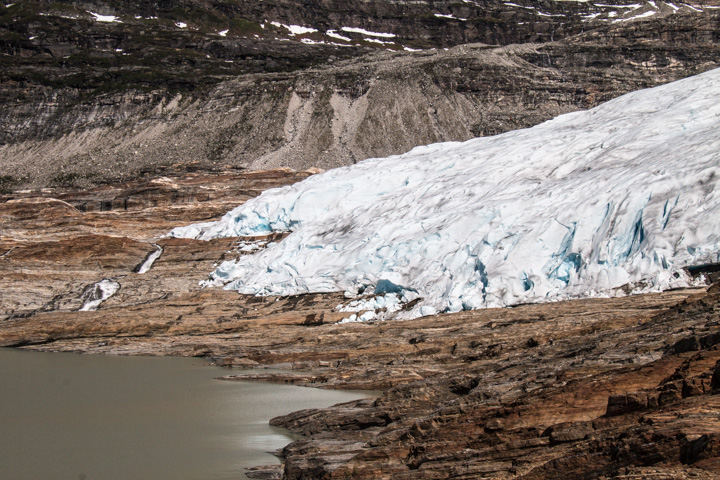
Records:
x=598, y=388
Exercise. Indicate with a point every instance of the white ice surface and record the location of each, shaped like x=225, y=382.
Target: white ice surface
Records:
x=623, y=194
x=392, y=302
x=510, y=4
x=634, y=6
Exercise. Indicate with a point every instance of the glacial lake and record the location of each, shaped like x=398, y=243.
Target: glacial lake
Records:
x=88, y=417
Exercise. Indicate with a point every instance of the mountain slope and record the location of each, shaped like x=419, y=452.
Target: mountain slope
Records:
x=94, y=92
x=623, y=195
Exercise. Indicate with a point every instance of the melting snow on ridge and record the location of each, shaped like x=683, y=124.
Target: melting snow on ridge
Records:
x=294, y=29
x=334, y=34
x=440, y=15
x=368, y=33
x=624, y=194
x=105, y=18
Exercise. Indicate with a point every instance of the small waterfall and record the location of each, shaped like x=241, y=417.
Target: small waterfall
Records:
x=97, y=293
x=148, y=263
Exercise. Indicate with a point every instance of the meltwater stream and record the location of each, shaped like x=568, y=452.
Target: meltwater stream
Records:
x=67, y=416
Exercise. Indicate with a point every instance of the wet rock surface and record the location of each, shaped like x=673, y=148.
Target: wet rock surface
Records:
x=596, y=388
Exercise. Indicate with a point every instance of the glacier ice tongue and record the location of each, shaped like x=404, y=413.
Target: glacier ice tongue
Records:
x=625, y=194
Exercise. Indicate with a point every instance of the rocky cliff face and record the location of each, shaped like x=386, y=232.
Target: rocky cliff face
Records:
x=96, y=91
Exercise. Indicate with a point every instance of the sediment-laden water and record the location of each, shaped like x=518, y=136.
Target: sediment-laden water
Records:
x=66, y=416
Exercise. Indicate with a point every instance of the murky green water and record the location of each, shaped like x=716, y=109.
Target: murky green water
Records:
x=65, y=416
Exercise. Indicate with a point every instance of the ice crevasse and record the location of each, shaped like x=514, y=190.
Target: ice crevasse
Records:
x=625, y=194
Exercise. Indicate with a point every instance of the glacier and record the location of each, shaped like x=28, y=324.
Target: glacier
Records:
x=600, y=202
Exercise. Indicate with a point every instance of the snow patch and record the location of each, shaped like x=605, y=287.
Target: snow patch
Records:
x=692, y=7
x=223, y=33
x=294, y=29
x=377, y=40
x=181, y=24
x=649, y=13
x=334, y=34
x=105, y=18
x=440, y=15
x=368, y=33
